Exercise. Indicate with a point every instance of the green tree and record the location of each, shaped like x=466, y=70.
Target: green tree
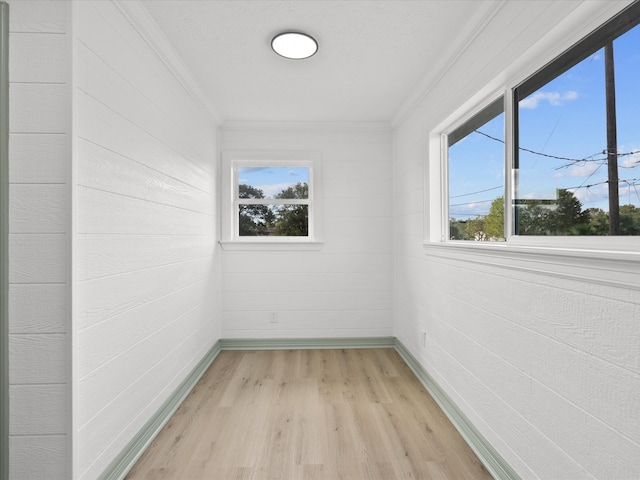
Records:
x=457, y=229
x=253, y=220
x=568, y=216
x=293, y=220
x=562, y=216
x=629, y=220
x=597, y=222
x=494, y=221
x=475, y=229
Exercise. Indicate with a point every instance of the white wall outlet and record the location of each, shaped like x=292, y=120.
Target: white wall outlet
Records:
x=423, y=338
x=273, y=317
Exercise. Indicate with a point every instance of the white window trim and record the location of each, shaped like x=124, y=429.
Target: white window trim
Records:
x=231, y=161
x=581, y=249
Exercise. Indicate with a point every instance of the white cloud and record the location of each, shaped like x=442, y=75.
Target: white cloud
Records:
x=554, y=98
x=591, y=197
x=630, y=161
x=579, y=170
x=271, y=190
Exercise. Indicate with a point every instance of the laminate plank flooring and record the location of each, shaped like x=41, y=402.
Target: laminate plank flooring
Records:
x=308, y=415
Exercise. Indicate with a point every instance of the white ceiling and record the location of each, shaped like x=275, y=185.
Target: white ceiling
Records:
x=373, y=53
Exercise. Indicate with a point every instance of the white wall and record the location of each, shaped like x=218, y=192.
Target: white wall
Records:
x=146, y=261
x=39, y=266
x=343, y=290
x=547, y=367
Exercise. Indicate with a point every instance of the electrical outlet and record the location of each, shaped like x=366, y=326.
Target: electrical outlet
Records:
x=273, y=317
x=423, y=338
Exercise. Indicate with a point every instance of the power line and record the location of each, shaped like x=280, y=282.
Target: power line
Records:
x=479, y=191
x=631, y=182
x=467, y=203
x=573, y=160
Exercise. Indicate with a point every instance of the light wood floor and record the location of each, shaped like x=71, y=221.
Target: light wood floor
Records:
x=309, y=414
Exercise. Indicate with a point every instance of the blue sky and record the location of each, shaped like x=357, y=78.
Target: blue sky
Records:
x=565, y=118
x=272, y=180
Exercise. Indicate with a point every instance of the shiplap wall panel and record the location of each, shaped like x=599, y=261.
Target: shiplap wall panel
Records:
x=146, y=252
x=614, y=392
x=124, y=371
x=39, y=193
x=29, y=353
x=309, y=300
x=102, y=255
x=49, y=315
x=47, y=58
x=258, y=323
x=40, y=159
x=140, y=323
x=106, y=170
x=498, y=413
x=545, y=366
x=38, y=258
x=102, y=298
x=38, y=208
x=38, y=458
x=116, y=213
x=271, y=262
x=599, y=324
x=44, y=107
x=151, y=392
x=38, y=410
x=343, y=290
x=38, y=16
x=132, y=103
x=295, y=282
x=135, y=70
x=111, y=131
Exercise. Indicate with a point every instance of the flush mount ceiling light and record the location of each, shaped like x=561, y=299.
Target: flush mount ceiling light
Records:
x=294, y=45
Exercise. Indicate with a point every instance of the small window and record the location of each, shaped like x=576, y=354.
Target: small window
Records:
x=270, y=197
x=272, y=201
x=476, y=176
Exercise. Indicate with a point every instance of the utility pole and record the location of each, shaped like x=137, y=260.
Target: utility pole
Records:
x=612, y=141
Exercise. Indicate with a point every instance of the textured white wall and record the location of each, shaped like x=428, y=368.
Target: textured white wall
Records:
x=343, y=290
x=39, y=167
x=546, y=367
x=146, y=261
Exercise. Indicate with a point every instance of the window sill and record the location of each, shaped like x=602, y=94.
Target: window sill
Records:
x=618, y=268
x=271, y=246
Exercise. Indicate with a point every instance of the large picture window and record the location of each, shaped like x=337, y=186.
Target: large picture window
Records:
x=572, y=142
x=577, y=154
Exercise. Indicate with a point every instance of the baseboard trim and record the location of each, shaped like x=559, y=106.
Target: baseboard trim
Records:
x=306, y=343
x=490, y=458
x=121, y=465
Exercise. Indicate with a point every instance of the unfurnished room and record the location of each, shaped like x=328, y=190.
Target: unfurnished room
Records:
x=319, y=239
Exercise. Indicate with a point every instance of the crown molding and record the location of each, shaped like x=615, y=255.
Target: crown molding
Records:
x=307, y=126
x=450, y=57
x=586, y=17
x=139, y=17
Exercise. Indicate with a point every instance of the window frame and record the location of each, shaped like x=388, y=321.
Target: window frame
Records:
x=232, y=161
x=436, y=173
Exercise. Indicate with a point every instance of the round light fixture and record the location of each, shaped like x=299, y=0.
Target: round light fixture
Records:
x=294, y=45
